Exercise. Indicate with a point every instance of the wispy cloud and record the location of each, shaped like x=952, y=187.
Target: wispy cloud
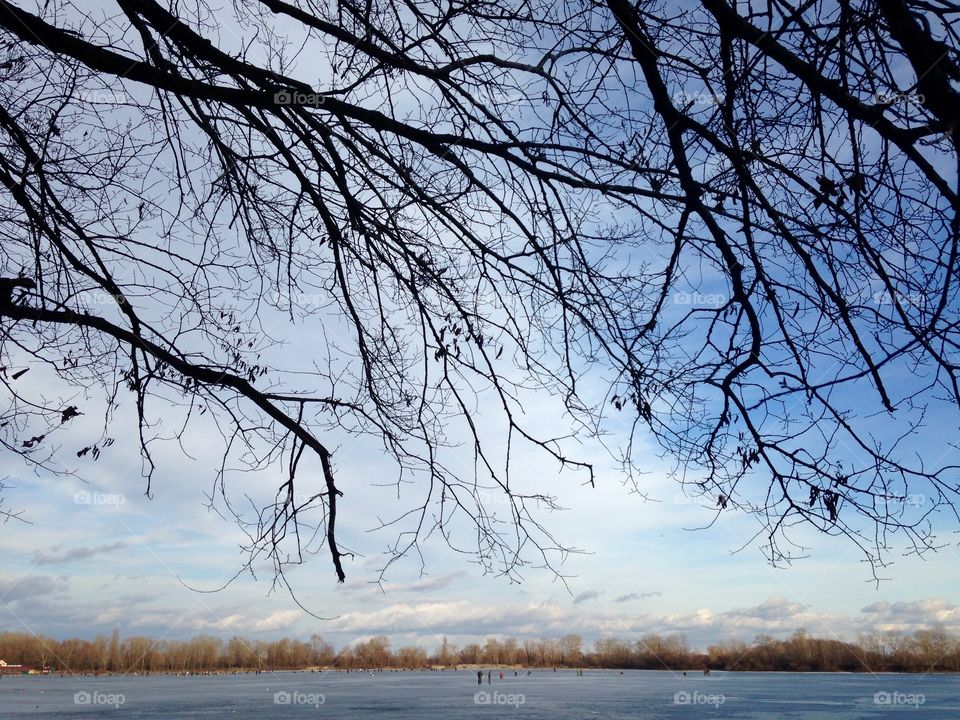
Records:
x=586, y=597
x=31, y=586
x=636, y=596
x=137, y=598
x=58, y=555
x=425, y=584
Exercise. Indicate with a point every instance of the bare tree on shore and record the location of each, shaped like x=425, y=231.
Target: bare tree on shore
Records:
x=929, y=650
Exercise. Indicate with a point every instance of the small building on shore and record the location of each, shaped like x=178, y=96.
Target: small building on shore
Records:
x=6, y=669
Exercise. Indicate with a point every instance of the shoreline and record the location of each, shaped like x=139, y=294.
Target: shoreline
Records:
x=470, y=669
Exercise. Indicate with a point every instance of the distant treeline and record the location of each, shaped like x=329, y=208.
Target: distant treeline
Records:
x=924, y=651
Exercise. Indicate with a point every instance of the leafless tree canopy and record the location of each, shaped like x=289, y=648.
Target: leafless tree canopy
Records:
x=738, y=221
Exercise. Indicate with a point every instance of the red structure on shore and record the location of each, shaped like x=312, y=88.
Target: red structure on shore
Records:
x=11, y=669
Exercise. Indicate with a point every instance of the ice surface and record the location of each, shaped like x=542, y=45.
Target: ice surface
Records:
x=449, y=695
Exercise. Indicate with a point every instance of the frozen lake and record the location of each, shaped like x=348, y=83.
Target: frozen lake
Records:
x=449, y=695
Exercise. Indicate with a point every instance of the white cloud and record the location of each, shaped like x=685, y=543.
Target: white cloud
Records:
x=913, y=615
x=231, y=622
x=281, y=620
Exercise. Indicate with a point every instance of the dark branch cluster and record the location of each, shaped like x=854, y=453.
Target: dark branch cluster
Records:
x=742, y=222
